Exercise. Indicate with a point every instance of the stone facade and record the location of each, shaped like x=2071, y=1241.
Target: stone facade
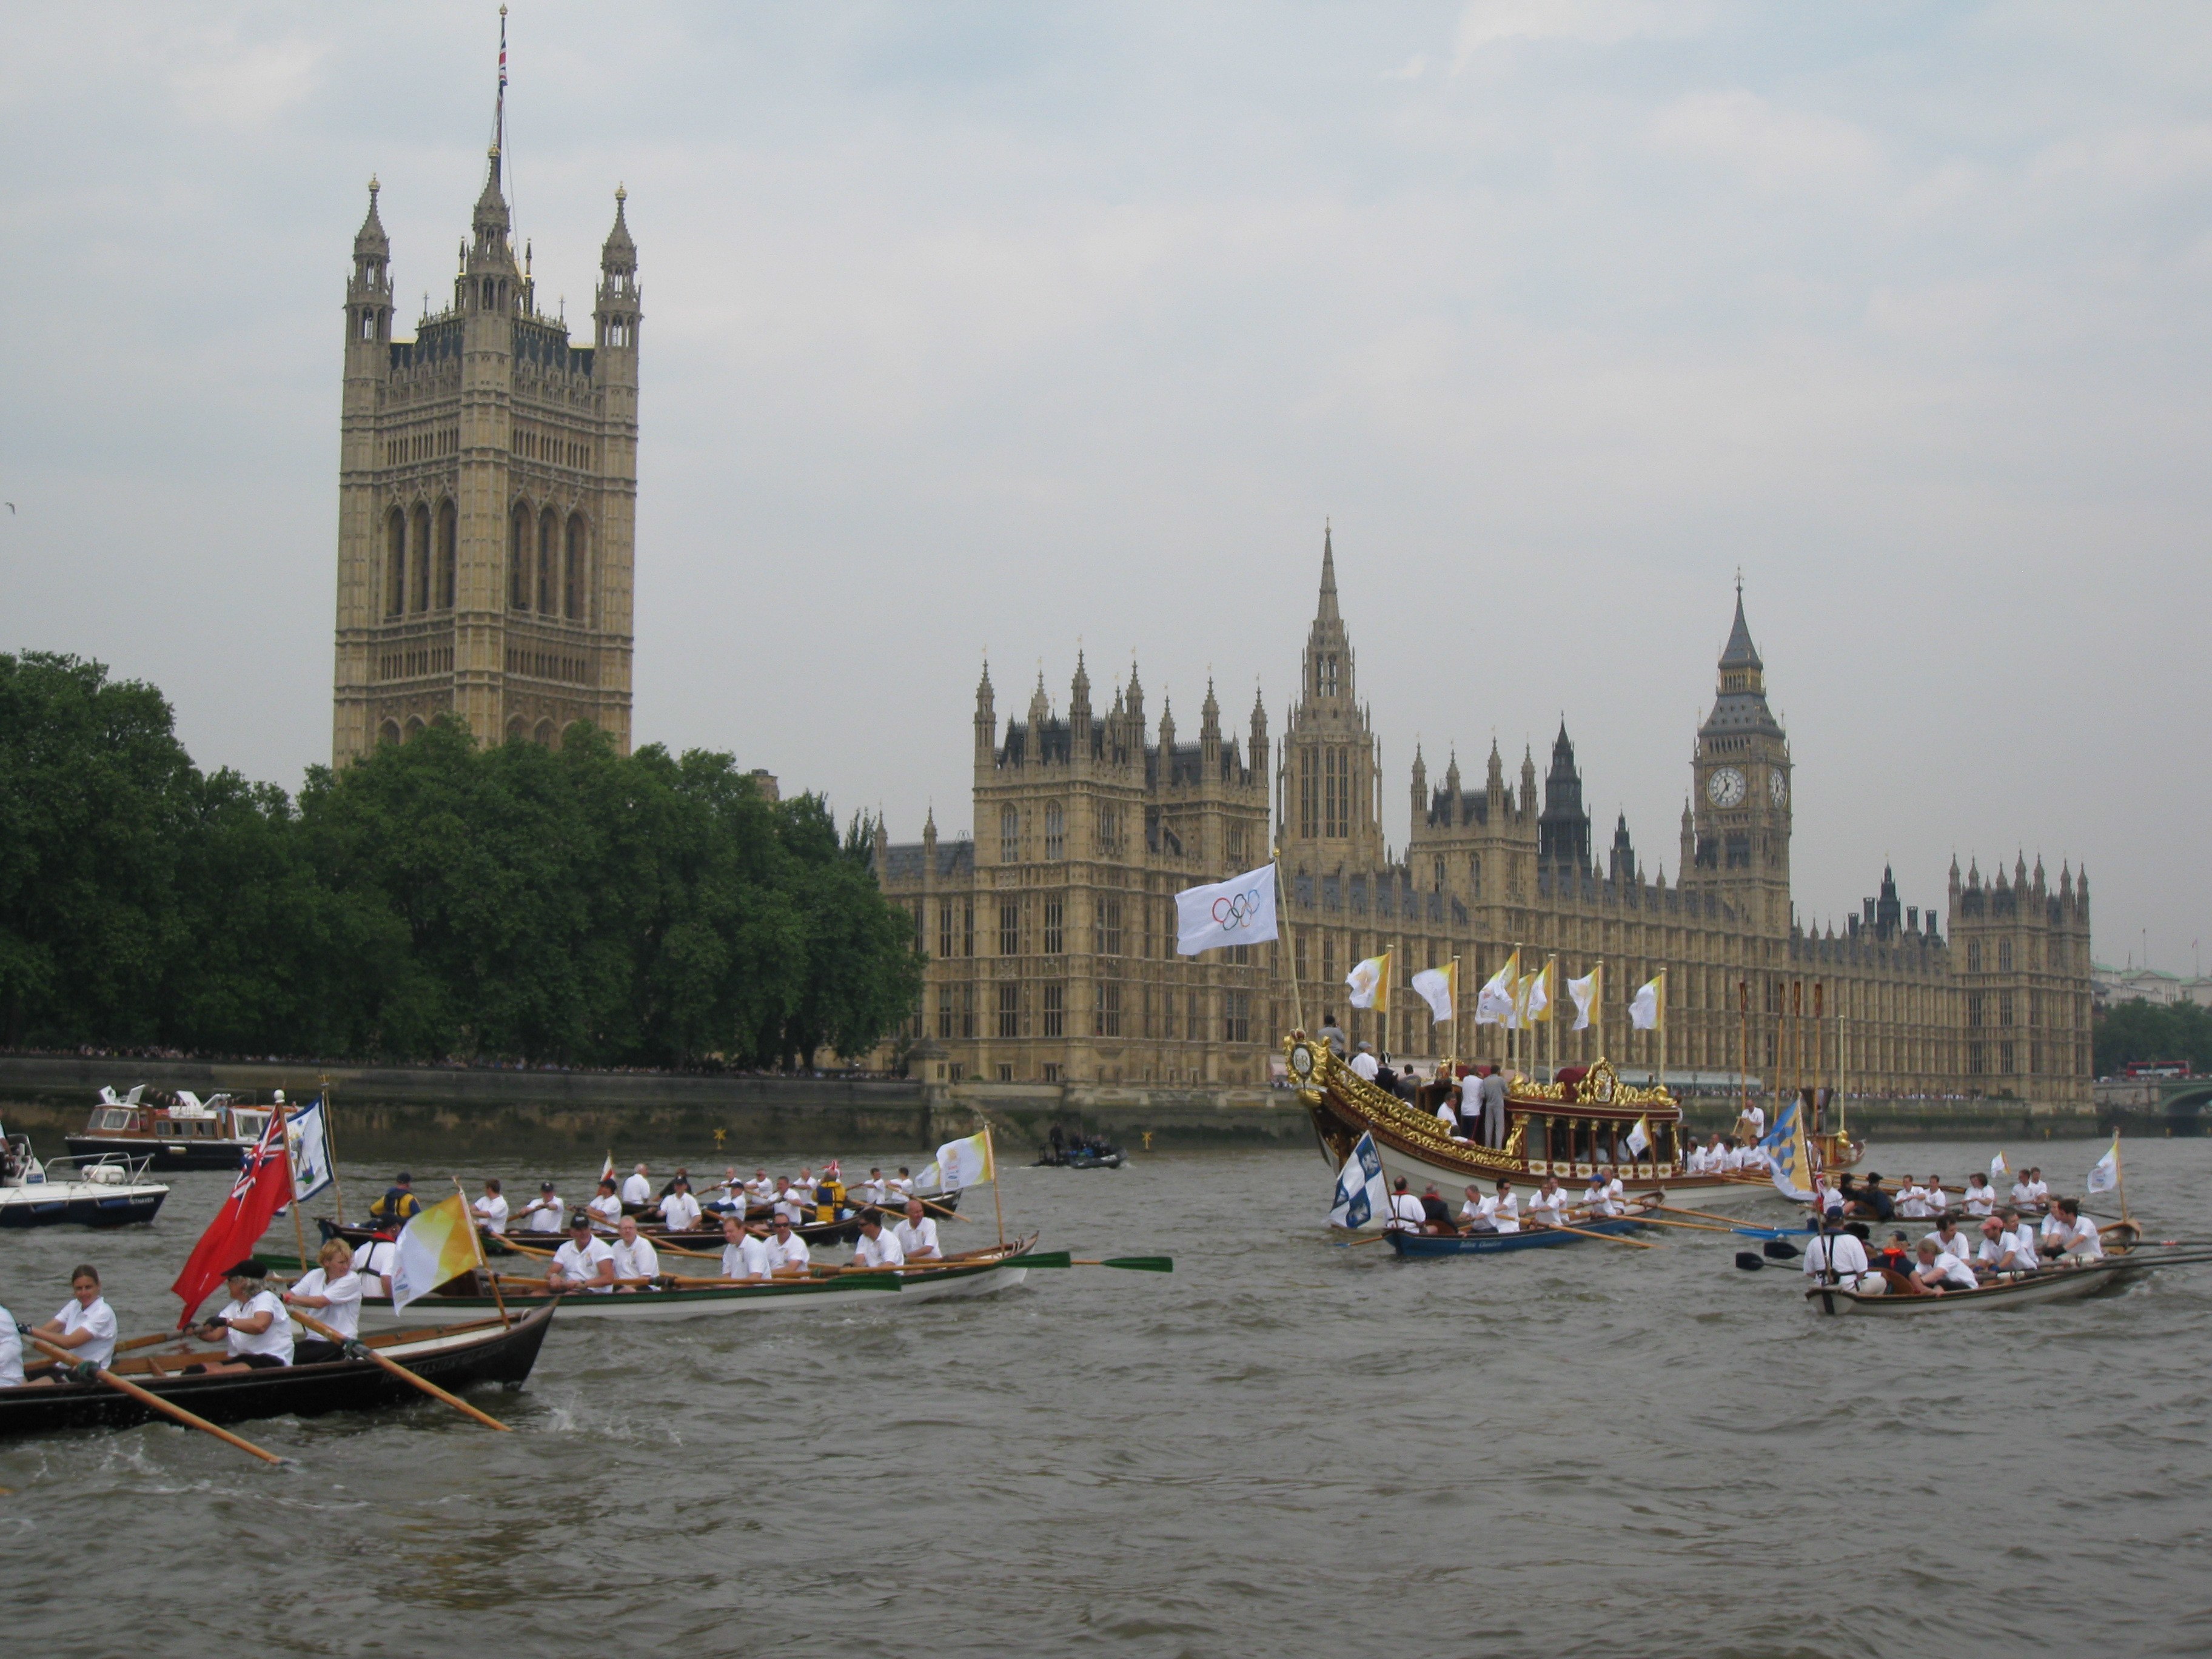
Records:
x=486, y=499
x=1026, y=966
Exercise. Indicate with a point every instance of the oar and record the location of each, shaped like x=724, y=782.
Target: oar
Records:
x=398, y=1370
x=1585, y=1232
x=1708, y=1215
x=1688, y=1226
x=145, y=1397
x=1776, y=1249
x=1135, y=1264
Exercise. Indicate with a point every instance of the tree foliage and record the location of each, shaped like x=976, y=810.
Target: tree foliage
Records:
x=2140, y=1030
x=434, y=900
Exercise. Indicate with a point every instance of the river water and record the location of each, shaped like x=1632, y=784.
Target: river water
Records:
x=1286, y=1448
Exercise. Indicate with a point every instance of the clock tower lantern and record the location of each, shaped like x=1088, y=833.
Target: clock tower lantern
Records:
x=1739, y=809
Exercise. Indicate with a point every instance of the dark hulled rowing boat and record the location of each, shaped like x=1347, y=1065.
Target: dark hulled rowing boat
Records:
x=1532, y=1237
x=454, y=1357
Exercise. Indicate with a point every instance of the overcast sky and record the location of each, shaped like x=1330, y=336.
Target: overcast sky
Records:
x=1006, y=327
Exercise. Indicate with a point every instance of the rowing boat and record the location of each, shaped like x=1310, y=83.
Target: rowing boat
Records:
x=1566, y=1129
x=1537, y=1237
x=454, y=1357
x=973, y=1272
x=2121, y=1264
x=706, y=1237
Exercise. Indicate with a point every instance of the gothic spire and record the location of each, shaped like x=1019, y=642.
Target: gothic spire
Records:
x=1740, y=652
x=1327, y=610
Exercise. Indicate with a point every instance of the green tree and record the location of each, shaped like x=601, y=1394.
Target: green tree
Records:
x=2139, y=1030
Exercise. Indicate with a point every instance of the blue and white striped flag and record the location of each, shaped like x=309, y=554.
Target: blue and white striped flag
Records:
x=1361, y=1193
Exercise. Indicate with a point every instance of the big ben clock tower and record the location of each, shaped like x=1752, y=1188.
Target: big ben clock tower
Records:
x=1740, y=811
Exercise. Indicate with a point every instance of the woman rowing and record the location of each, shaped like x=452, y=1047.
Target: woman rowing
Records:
x=255, y=1332
x=85, y=1325
x=332, y=1293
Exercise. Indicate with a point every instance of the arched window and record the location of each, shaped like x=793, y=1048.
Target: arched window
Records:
x=1009, y=835
x=414, y=728
x=575, y=585
x=388, y=732
x=518, y=557
x=1055, y=831
x=395, y=562
x=545, y=734
x=548, y=575
x=449, y=524
x=514, y=729
x=419, y=570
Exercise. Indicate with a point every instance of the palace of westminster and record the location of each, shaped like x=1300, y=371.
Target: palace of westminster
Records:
x=487, y=499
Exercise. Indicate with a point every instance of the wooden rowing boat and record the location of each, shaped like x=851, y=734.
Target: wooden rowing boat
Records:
x=454, y=1357
x=706, y=1237
x=1530, y=1237
x=973, y=1272
x=2121, y=1264
x=1564, y=1128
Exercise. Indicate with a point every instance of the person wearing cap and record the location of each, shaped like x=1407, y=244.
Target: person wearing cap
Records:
x=86, y=1324
x=1999, y=1251
x=585, y=1262
x=637, y=1189
x=606, y=1205
x=332, y=1293
x=788, y=1256
x=376, y=1261
x=634, y=1258
x=1365, y=1063
x=875, y=1248
x=545, y=1212
x=1845, y=1250
x=745, y=1254
x=917, y=1233
x=398, y=1203
x=255, y=1332
x=679, y=1211
x=492, y=1210
x=1597, y=1198
x=1871, y=1203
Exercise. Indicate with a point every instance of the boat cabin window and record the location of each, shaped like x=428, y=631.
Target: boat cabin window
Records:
x=248, y=1126
x=115, y=1120
x=163, y=1127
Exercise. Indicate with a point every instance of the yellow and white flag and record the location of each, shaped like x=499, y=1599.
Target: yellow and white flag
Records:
x=1440, y=988
x=1493, y=1004
x=1588, y=994
x=1369, y=983
x=1540, y=993
x=438, y=1244
x=2105, y=1175
x=962, y=1163
x=1648, y=1008
x=1639, y=1138
x=1519, y=1021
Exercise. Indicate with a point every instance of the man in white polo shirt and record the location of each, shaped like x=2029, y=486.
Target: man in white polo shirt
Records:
x=679, y=1211
x=492, y=1210
x=917, y=1234
x=1365, y=1062
x=788, y=1256
x=743, y=1254
x=637, y=1190
x=634, y=1258
x=875, y=1248
x=585, y=1262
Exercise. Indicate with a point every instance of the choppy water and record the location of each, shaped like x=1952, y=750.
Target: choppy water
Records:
x=1284, y=1449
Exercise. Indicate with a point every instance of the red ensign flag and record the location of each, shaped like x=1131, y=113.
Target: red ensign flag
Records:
x=264, y=1186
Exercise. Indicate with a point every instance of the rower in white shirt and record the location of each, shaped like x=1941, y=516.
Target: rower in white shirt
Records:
x=1829, y=1198
x=2023, y=1195
x=759, y=1190
x=679, y=1211
x=745, y=1254
x=1939, y=1201
x=1911, y=1200
x=1951, y=1242
x=1596, y=1200
x=375, y=1262
x=917, y=1234
x=875, y=1189
x=637, y=1189
x=2027, y=1249
x=902, y=1185
x=86, y=1324
x=11, y=1352
x=634, y=1257
x=256, y=1333
x=1503, y=1209
x=788, y=1256
x=545, y=1213
x=2078, y=1238
x=492, y=1210
x=585, y=1262
x=1614, y=1188
x=1549, y=1203
x=2038, y=1191
x=789, y=1203
x=1846, y=1248
x=606, y=1205
x=1937, y=1271
x=331, y=1293
x=1406, y=1215
x=1981, y=1198
x=875, y=1248
x=2001, y=1251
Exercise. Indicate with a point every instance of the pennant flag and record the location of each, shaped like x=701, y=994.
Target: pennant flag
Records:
x=1239, y=911
x=1587, y=995
x=438, y=1243
x=1649, y=1006
x=1789, y=1160
x=1493, y=1004
x=607, y=1169
x=1539, y=993
x=1361, y=1193
x=311, y=1152
x=1999, y=1167
x=1369, y=983
x=966, y=1163
x=1639, y=1138
x=262, y=1186
x=2106, y=1174
x=1440, y=988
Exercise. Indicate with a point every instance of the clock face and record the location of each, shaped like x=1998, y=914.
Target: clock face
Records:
x=1777, y=786
x=1725, y=787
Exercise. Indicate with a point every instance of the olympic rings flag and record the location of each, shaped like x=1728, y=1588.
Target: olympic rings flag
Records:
x=1239, y=911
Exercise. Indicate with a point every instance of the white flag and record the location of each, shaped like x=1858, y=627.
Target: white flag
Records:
x=310, y=1140
x=1643, y=1007
x=1361, y=1194
x=1540, y=997
x=1639, y=1138
x=1584, y=992
x=1437, y=987
x=2106, y=1174
x=1493, y=1004
x=1999, y=1167
x=964, y=1164
x=1240, y=911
